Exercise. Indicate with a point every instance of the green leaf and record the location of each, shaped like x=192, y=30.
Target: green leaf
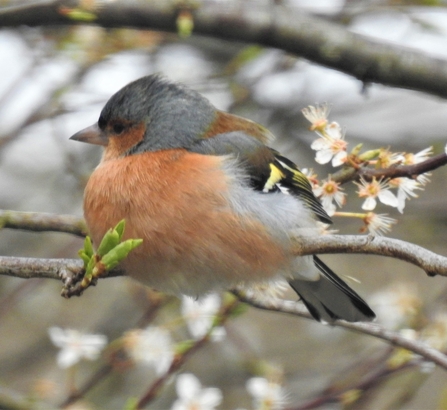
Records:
x=119, y=252
x=110, y=240
x=84, y=257
x=185, y=24
x=120, y=226
x=78, y=15
x=88, y=246
x=370, y=155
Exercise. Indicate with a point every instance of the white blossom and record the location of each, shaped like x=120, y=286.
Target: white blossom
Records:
x=330, y=146
x=152, y=346
x=421, y=156
x=200, y=314
x=317, y=116
x=398, y=305
x=75, y=345
x=191, y=395
x=378, y=224
x=330, y=192
x=376, y=189
x=267, y=395
x=405, y=190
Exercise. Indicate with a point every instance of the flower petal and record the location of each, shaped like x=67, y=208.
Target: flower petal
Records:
x=334, y=131
x=388, y=198
x=210, y=397
x=57, y=336
x=339, y=158
x=68, y=357
x=187, y=386
x=323, y=156
x=369, y=204
x=320, y=144
x=257, y=386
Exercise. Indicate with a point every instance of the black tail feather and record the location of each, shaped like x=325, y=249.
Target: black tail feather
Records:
x=330, y=298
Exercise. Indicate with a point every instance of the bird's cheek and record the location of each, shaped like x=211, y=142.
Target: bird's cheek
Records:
x=118, y=145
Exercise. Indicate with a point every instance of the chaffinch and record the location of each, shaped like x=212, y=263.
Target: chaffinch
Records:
x=214, y=205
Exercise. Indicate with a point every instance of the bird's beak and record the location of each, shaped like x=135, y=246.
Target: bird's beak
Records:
x=91, y=135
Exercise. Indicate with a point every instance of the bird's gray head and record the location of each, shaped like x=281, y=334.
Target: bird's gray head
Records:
x=174, y=116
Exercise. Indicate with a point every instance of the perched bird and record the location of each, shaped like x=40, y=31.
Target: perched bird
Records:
x=214, y=205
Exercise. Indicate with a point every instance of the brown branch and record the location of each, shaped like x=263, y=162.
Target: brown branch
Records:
x=407, y=171
x=60, y=269
x=27, y=268
x=432, y=263
x=41, y=222
x=371, y=329
x=273, y=25
x=435, y=264
x=372, y=380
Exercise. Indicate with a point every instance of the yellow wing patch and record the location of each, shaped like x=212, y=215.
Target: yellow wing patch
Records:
x=276, y=175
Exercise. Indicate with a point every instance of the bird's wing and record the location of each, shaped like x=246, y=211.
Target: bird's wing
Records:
x=267, y=169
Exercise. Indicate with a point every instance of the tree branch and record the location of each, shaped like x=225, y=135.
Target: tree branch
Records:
x=67, y=269
x=317, y=40
x=60, y=269
x=407, y=171
x=350, y=173
x=371, y=329
x=432, y=263
x=40, y=222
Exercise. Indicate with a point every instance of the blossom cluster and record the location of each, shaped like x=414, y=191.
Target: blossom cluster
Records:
x=331, y=146
x=154, y=347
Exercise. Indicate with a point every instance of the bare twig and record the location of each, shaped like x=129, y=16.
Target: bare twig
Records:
x=61, y=269
x=370, y=381
x=432, y=263
x=157, y=302
x=407, y=171
x=318, y=40
x=181, y=358
x=40, y=222
x=371, y=329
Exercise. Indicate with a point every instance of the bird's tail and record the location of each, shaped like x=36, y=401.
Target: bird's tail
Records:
x=330, y=298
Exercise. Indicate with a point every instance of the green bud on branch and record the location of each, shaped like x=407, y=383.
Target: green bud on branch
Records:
x=119, y=252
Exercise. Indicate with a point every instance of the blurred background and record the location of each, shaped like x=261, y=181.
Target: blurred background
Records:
x=54, y=81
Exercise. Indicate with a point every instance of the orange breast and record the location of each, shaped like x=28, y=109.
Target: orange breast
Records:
x=177, y=203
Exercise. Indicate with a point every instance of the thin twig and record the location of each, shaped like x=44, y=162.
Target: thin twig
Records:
x=408, y=171
x=154, y=389
x=272, y=25
x=41, y=222
x=372, y=329
x=157, y=302
x=371, y=381
x=348, y=174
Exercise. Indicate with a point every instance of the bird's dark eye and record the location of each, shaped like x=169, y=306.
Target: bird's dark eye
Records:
x=118, y=128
